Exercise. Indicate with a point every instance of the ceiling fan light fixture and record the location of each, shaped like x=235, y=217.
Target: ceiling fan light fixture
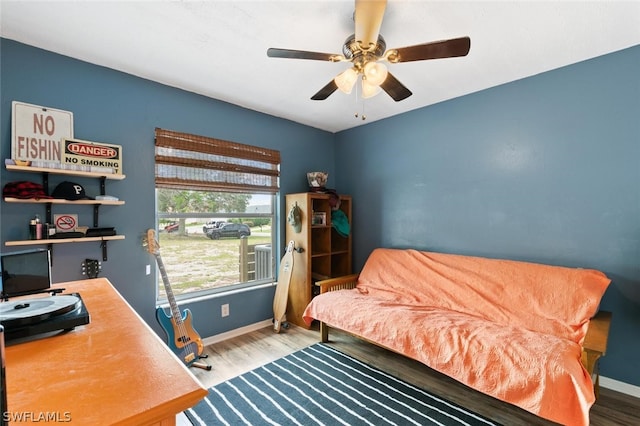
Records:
x=367, y=51
x=375, y=72
x=346, y=80
x=369, y=90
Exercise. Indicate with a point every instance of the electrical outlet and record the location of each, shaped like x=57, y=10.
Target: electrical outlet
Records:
x=224, y=310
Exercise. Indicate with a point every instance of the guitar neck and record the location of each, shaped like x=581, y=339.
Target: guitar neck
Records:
x=175, y=311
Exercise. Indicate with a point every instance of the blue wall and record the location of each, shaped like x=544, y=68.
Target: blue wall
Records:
x=118, y=108
x=545, y=169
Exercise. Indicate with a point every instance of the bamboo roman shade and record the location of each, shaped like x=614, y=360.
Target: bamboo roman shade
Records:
x=185, y=161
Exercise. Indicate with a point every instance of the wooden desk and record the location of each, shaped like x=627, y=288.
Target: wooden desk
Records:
x=114, y=370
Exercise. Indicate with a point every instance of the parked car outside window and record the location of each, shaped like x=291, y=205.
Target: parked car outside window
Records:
x=229, y=230
x=212, y=224
x=173, y=226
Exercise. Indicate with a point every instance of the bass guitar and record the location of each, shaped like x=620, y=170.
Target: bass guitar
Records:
x=182, y=338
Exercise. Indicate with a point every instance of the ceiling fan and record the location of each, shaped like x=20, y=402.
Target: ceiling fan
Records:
x=366, y=50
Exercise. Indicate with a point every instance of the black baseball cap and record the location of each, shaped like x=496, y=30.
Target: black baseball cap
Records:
x=70, y=191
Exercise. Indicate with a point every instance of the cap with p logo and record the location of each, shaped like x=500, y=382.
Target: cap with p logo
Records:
x=70, y=191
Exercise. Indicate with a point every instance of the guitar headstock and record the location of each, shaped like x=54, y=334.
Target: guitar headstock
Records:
x=151, y=243
x=91, y=268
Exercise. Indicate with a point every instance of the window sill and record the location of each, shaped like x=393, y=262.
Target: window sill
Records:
x=186, y=299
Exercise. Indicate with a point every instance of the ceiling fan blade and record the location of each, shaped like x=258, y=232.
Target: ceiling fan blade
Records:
x=368, y=18
x=394, y=88
x=435, y=50
x=302, y=54
x=325, y=91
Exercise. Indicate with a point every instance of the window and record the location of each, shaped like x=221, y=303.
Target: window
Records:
x=216, y=213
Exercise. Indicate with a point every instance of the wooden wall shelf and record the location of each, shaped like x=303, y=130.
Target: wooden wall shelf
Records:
x=62, y=240
x=30, y=169
x=49, y=202
x=59, y=201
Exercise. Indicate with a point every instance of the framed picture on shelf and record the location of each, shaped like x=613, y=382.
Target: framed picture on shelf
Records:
x=319, y=218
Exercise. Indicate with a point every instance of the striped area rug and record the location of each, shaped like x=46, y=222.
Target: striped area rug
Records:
x=321, y=386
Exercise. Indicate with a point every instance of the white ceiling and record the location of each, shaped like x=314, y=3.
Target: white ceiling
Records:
x=218, y=48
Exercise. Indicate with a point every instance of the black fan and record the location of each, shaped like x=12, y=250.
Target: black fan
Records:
x=366, y=49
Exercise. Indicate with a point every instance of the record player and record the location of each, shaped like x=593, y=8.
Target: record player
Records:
x=28, y=317
x=25, y=277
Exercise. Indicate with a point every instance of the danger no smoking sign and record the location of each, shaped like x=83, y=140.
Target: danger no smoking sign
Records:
x=65, y=222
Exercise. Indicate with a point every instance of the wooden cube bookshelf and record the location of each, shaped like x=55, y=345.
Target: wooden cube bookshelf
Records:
x=325, y=253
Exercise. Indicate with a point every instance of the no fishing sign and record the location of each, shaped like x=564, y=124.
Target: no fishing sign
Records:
x=37, y=131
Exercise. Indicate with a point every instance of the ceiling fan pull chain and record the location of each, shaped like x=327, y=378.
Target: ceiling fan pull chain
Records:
x=356, y=99
x=364, y=117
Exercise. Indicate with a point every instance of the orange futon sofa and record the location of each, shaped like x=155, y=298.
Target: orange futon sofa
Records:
x=513, y=330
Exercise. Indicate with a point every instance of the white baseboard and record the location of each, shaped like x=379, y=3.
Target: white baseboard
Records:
x=236, y=332
x=619, y=386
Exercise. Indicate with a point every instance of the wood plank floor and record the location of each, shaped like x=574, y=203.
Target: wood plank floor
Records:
x=235, y=356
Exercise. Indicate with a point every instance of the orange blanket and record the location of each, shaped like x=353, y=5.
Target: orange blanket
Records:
x=509, y=329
